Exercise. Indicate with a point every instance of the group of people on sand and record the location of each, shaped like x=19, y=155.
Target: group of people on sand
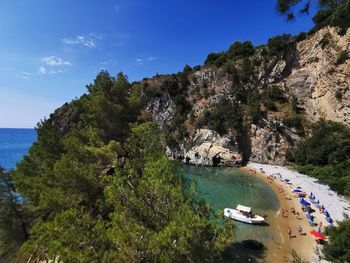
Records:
x=299, y=229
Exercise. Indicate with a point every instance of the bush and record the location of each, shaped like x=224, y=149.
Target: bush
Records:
x=170, y=86
x=329, y=144
x=254, y=112
x=338, y=95
x=279, y=44
x=247, y=70
x=217, y=59
x=240, y=49
x=294, y=121
x=224, y=116
x=342, y=57
x=337, y=249
x=300, y=37
x=326, y=39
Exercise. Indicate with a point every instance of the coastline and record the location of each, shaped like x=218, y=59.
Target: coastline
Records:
x=304, y=245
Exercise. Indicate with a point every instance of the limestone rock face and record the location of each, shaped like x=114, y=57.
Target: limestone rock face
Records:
x=268, y=145
x=307, y=71
x=317, y=78
x=210, y=149
x=163, y=109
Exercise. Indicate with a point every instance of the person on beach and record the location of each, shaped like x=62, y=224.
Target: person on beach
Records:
x=293, y=210
x=289, y=232
x=300, y=230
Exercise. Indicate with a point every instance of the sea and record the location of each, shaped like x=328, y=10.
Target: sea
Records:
x=14, y=144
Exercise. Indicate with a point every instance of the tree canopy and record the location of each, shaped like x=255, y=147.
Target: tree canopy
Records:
x=60, y=203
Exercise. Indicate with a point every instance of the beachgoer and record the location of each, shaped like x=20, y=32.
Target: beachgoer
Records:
x=300, y=230
x=319, y=230
x=289, y=232
x=293, y=210
x=321, y=224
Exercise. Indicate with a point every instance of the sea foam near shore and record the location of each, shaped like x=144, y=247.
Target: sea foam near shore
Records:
x=337, y=206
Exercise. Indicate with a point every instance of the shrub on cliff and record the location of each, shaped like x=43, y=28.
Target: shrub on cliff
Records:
x=240, y=49
x=224, y=116
x=342, y=57
x=279, y=44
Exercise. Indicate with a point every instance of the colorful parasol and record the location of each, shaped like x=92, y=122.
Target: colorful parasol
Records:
x=317, y=234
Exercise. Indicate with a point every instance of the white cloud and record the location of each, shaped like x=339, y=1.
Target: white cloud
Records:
x=151, y=58
x=55, y=61
x=141, y=61
x=24, y=75
x=45, y=71
x=89, y=41
x=42, y=70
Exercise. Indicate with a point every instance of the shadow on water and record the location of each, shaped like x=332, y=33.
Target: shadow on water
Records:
x=245, y=251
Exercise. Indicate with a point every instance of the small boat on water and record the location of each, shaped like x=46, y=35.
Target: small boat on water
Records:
x=243, y=214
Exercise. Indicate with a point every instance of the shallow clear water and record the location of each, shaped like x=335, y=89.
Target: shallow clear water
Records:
x=228, y=187
x=14, y=144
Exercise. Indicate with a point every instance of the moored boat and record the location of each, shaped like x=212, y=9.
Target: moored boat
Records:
x=243, y=214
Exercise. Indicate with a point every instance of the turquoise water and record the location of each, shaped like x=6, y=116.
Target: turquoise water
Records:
x=14, y=144
x=228, y=187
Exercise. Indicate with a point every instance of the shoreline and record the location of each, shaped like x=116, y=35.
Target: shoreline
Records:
x=281, y=250
x=304, y=245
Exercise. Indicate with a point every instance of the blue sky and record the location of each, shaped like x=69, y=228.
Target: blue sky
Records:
x=51, y=49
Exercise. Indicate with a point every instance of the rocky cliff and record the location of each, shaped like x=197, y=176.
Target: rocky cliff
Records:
x=311, y=76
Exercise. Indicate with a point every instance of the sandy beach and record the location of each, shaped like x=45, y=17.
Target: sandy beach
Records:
x=303, y=244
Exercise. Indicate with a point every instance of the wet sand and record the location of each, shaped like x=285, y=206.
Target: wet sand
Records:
x=281, y=249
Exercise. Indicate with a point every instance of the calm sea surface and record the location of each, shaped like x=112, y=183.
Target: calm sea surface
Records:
x=14, y=144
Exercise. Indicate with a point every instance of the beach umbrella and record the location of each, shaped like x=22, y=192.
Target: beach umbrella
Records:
x=297, y=191
x=305, y=203
x=317, y=234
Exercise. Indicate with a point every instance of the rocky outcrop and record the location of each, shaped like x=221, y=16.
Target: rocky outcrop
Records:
x=211, y=149
x=163, y=109
x=269, y=144
x=64, y=117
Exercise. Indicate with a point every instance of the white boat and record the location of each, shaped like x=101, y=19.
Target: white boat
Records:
x=243, y=214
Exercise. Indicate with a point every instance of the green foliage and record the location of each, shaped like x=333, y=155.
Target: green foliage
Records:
x=142, y=210
x=338, y=248
x=247, y=70
x=295, y=105
x=329, y=144
x=293, y=121
x=224, y=116
x=342, y=57
x=13, y=221
x=300, y=37
x=326, y=155
x=217, y=59
x=254, y=112
x=107, y=106
x=279, y=44
x=329, y=12
x=237, y=50
x=240, y=50
x=338, y=95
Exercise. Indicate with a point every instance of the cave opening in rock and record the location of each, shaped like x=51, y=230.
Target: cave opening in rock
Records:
x=216, y=160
